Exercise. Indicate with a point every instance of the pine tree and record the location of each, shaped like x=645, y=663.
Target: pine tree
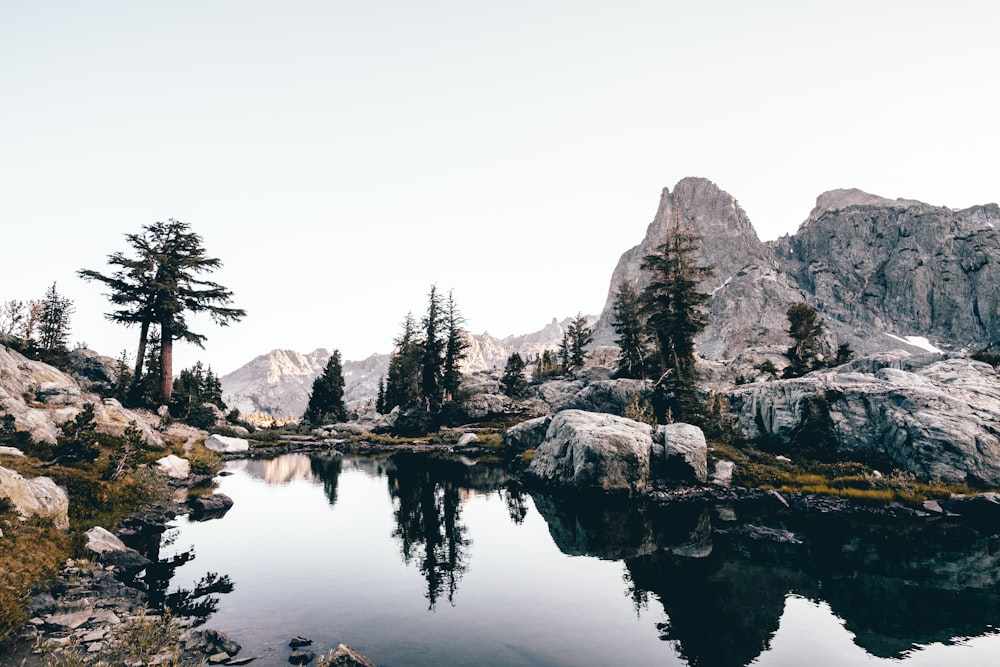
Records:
x=326, y=401
x=547, y=366
x=53, y=323
x=627, y=323
x=433, y=345
x=580, y=335
x=673, y=305
x=380, y=399
x=565, y=352
x=455, y=349
x=806, y=329
x=513, y=382
x=161, y=285
x=403, y=379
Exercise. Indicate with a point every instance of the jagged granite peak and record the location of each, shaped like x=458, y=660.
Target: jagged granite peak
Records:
x=750, y=292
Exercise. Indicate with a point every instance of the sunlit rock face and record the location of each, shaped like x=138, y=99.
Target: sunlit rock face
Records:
x=930, y=415
x=41, y=398
x=36, y=497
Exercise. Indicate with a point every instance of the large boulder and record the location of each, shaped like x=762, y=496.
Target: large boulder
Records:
x=225, y=444
x=594, y=451
x=930, y=415
x=528, y=434
x=679, y=453
x=111, y=550
x=37, y=497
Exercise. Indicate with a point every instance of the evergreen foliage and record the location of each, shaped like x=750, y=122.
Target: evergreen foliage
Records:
x=53, y=321
x=455, y=350
x=672, y=304
x=380, y=399
x=432, y=351
x=579, y=336
x=565, y=353
x=513, y=381
x=626, y=320
x=402, y=384
x=195, y=389
x=326, y=401
x=160, y=286
x=77, y=440
x=806, y=329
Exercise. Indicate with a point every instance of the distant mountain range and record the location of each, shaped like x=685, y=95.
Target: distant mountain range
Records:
x=883, y=273
x=279, y=382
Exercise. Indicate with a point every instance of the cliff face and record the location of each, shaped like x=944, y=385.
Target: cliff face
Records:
x=901, y=267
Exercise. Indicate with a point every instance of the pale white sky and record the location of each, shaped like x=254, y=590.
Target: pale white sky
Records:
x=340, y=157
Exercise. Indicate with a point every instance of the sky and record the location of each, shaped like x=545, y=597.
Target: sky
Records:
x=342, y=157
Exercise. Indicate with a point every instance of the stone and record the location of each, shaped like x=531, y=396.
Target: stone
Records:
x=226, y=444
x=101, y=541
x=467, y=439
x=723, y=473
x=213, y=506
x=680, y=453
x=69, y=620
x=37, y=497
x=174, y=466
x=300, y=657
x=299, y=641
x=344, y=656
x=528, y=434
x=10, y=451
x=594, y=451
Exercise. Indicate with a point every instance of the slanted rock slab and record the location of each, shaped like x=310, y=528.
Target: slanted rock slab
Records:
x=680, y=453
x=36, y=497
x=225, y=444
x=347, y=657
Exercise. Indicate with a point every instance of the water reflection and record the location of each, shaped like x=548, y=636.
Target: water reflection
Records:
x=722, y=576
x=896, y=586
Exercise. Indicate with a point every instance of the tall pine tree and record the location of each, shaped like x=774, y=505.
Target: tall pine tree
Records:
x=673, y=305
x=455, y=349
x=326, y=401
x=433, y=346
x=402, y=384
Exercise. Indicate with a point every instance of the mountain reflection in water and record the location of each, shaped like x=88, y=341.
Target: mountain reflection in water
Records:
x=722, y=582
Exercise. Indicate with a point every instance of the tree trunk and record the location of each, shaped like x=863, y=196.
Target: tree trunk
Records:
x=166, y=363
x=141, y=354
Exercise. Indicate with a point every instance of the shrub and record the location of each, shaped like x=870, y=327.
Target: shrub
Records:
x=204, y=461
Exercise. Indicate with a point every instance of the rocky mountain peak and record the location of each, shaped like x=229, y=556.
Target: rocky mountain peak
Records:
x=840, y=199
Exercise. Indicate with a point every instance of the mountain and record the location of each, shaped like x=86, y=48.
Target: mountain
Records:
x=883, y=273
x=279, y=382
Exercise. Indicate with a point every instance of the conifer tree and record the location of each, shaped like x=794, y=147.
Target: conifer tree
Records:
x=380, y=399
x=565, y=352
x=580, y=335
x=513, y=382
x=433, y=345
x=627, y=323
x=673, y=305
x=805, y=326
x=160, y=286
x=326, y=400
x=53, y=322
x=455, y=350
x=403, y=379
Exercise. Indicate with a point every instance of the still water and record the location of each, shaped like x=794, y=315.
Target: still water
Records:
x=414, y=560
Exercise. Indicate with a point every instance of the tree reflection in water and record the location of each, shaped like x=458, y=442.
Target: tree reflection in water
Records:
x=327, y=469
x=194, y=604
x=427, y=495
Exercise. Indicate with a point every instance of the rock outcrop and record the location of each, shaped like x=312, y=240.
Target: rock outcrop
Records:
x=36, y=497
x=593, y=451
x=41, y=398
x=226, y=444
x=928, y=414
x=679, y=453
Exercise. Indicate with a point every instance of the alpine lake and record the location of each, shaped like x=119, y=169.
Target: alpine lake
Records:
x=416, y=559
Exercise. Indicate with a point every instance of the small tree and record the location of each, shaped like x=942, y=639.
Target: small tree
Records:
x=455, y=349
x=546, y=366
x=580, y=336
x=402, y=384
x=432, y=351
x=513, y=382
x=380, y=400
x=626, y=320
x=77, y=441
x=53, y=324
x=326, y=401
x=806, y=329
